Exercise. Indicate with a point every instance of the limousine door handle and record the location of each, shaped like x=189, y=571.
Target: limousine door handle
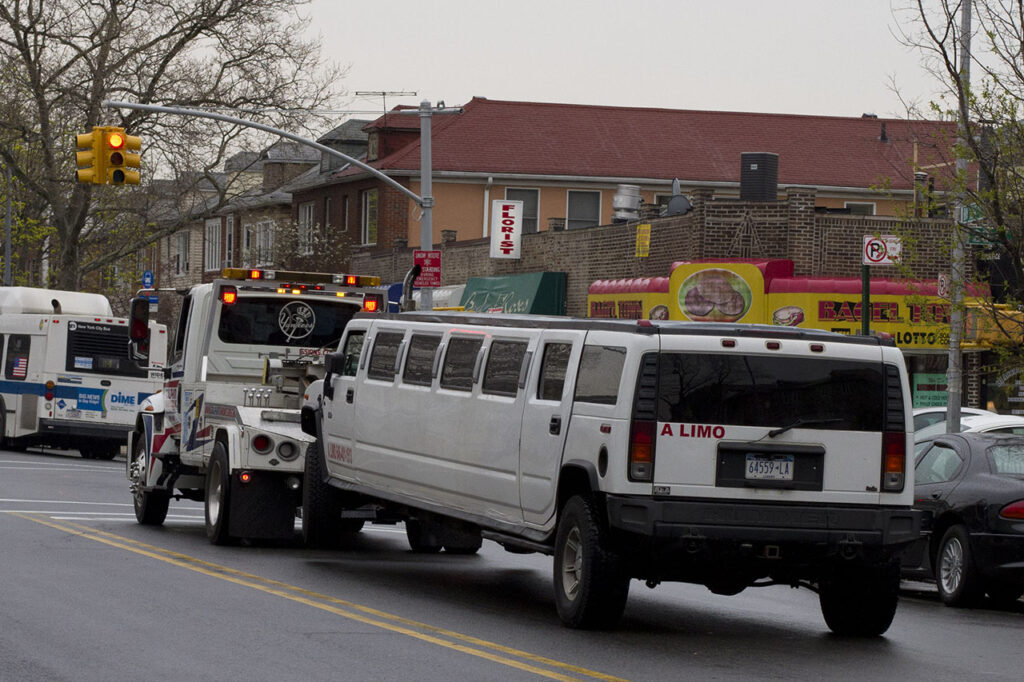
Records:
x=349, y=395
x=555, y=427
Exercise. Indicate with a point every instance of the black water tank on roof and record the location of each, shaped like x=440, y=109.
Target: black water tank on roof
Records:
x=759, y=176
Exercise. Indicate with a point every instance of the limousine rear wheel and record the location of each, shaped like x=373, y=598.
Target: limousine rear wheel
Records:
x=591, y=585
x=860, y=601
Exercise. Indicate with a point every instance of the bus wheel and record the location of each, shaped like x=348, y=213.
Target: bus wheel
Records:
x=150, y=507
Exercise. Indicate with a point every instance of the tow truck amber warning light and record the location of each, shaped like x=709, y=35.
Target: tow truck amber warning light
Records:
x=294, y=277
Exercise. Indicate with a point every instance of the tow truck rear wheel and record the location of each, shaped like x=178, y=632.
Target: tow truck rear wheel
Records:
x=218, y=497
x=591, y=585
x=860, y=601
x=150, y=507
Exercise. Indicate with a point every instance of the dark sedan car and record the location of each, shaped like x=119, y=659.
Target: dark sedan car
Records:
x=973, y=484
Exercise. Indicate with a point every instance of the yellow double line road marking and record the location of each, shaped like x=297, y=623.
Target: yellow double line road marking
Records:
x=467, y=644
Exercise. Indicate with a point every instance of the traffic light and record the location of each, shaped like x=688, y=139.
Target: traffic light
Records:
x=92, y=166
x=119, y=158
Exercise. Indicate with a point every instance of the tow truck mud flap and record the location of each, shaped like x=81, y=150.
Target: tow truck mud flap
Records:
x=262, y=508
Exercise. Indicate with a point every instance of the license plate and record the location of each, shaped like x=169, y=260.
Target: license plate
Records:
x=769, y=467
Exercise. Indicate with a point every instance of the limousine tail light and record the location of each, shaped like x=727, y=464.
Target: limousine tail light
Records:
x=894, y=461
x=641, y=450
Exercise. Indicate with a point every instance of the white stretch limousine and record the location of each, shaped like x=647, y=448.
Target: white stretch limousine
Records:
x=720, y=454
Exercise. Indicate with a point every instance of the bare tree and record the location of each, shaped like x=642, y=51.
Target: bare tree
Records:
x=62, y=58
x=992, y=189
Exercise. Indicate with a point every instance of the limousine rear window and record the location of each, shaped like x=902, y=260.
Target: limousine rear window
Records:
x=553, y=367
x=751, y=390
x=600, y=371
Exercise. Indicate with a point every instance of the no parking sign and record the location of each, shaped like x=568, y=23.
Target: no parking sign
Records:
x=884, y=250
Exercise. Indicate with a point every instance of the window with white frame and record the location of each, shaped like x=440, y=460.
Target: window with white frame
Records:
x=369, y=217
x=305, y=229
x=229, y=241
x=248, y=244
x=264, y=243
x=212, y=246
x=583, y=209
x=180, y=255
x=860, y=207
x=531, y=201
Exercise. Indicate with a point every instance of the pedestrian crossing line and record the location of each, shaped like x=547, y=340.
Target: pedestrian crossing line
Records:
x=467, y=644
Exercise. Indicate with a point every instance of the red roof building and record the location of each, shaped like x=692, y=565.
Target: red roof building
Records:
x=566, y=163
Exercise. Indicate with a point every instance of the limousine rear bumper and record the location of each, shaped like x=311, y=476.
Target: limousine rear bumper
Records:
x=824, y=526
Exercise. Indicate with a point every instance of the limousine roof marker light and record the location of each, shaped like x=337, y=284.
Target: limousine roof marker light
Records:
x=728, y=343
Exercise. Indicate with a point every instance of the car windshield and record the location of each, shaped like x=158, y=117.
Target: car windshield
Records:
x=1007, y=458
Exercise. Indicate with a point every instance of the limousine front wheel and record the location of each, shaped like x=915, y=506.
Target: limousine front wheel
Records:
x=591, y=585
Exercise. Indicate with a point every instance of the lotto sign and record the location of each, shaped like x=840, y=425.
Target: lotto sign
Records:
x=430, y=268
x=884, y=250
x=506, y=228
x=643, y=240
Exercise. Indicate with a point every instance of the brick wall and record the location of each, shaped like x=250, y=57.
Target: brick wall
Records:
x=818, y=244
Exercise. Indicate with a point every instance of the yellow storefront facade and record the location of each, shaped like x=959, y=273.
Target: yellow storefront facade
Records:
x=767, y=292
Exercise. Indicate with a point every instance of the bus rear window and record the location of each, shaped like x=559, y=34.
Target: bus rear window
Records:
x=95, y=348
x=770, y=391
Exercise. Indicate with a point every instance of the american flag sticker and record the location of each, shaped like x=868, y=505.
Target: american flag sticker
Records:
x=20, y=368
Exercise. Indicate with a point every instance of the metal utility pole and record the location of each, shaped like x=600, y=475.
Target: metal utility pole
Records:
x=954, y=375
x=425, y=112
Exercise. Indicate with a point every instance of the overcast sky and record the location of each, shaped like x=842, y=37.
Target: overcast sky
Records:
x=824, y=57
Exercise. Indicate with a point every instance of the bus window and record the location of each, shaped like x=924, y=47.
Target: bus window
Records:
x=16, y=358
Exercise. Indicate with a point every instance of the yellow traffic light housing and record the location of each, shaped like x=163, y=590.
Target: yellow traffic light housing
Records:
x=110, y=157
x=92, y=166
x=118, y=149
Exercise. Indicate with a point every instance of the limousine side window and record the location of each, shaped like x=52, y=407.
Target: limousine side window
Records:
x=552, y=370
x=459, y=363
x=600, y=371
x=16, y=364
x=419, y=361
x=504, y=364
x=353, y=349
x=382, y=358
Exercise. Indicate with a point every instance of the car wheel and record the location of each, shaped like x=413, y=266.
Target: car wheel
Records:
x=955, y=573
x=591, y=585
x=150, y=507
x=422, y=539
x=860, y=601
x=218, y=497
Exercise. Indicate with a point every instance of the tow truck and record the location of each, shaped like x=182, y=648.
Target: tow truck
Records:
x=225, y=427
